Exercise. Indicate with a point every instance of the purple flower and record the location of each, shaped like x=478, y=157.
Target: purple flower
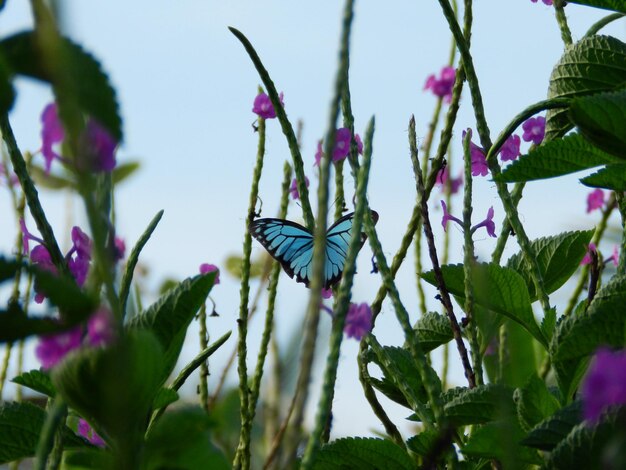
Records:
x=342, y=144
x=534, y=130
x=319, y=154
x=358, y=321
x=51, y=349
x=547, y=2
x=615, y=256
x=26, y=236
x=591, y=248
x=81, y=244
x=263, y=106
x=442, y=86
x=605, y=383
x=595, y=200
x=86, y=431
x=510, y=148
x=327, y=293
x=293, y=189
x=479, y=159
x=447, y=216
x=206, y=268
x=359, y=144
x=119, y=249
x=488, y=223
x=96, y=148
x=452, y=185
x=101, y=328
x=51, y=133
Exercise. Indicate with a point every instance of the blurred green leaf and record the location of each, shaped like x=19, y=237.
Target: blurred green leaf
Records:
x=165, y=396
x=558, y=257
x=553, y=429
x=50, y=180
x=362, y=453
x=87, y=459
x=520, y=360
x=433, y=330
x=496, y=288
x=479, y=405
x=555, y=158
x=36, y=380
x=595, y=64
x=534, y=403
x=233, y=266
x=181, y=440
x=423, y=442
x=125, y=170
x=20, y=426
x=610, y=177
x=614, y=5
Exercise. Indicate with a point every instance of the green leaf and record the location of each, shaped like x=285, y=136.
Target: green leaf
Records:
x=181, y=440
x=614, y=5
x=169, y=317
x=165, y=396
x=549, y=323
x=552, y=430
x=610, y=177
x=113, y=387
x=496, y=288
x=479, y=405
x=558, y=257
x=557, y=157
x=362, y=453
x=588, y=446
x=87, y=459
x=601, y=119
x=15, y=325
x=233, y=266
x=36, y=380
x=50, y=180
x=433, y=330
x=124, y=170
x=520, y=360
x=595, y=64
x=578, y=336
x=534, y=403
x=82, y=74
x=20, y=426
x=500, y=441
x=423, y=442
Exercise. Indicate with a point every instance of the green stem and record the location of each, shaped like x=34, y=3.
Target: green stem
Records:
x=516, y=195
x=418, y=271
x=566, y=34
x=53, y=423
x=204, y=366
x=5, y=367
x=598, y=25
x=242, y=458
x=341, y=307
x=340, y=198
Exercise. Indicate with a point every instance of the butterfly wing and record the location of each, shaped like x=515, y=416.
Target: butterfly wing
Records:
x=289, y=243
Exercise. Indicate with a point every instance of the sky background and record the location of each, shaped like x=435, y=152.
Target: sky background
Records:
x=186, y=87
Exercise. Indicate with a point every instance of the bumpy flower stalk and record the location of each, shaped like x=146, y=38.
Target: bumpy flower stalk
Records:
x=242, y=457
x=340, y=198
x=204, y=366
x=341, y=307
x=55, y=418
x=271, y=302
x=561, y=19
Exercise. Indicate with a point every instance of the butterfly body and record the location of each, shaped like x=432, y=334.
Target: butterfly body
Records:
x=292, y=245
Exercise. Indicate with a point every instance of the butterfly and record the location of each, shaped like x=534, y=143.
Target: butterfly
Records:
x=292, y=245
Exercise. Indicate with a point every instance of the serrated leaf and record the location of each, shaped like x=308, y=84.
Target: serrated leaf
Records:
x=36, y=380
x=422, y=443
x=362, y=453
x=555, y=158
x=433, y=330
x=610, y=177
x=534, y=403
x=577, y=337
x=549, y=323
x=595, y=64
x=601, y=119
x=165, y=396
x=480, y=404
x=496, y=288
x=520, y=359
x=82, y=74
x=181, y=440
x=613, y=5
x=552, y=430
x=589, y=446
x=558, y=257
x=20, y=426
x=169, y=317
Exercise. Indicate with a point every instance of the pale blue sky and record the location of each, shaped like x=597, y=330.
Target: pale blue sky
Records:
x=186, y=88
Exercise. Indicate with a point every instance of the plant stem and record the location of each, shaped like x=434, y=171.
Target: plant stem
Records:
x=561, y=19
x=204, y=366
x=53, y=423
x=598, y=25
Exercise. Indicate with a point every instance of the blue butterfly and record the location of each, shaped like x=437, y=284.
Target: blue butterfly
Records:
x=292, y=245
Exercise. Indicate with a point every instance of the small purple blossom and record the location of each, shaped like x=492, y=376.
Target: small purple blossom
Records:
x=479, y=159
x=51, y=349
x=206, y=268
x=615, y=256
x=452, y=184
x=591, y=248
x=101, y=328
x=293, y=189
x=546, y=2
x=86, y=431
x=595, y=200
x=605, y=383
x=488, y=223
x=358, y=321
x=52, y=133
x=442, y=86
x=26, y=236
x=447, y=217
x=510, y=148
x=263, y=106
x=327, y=293
x=96, y=148
x=342, y=146
x=119, y=249
x=534, y=130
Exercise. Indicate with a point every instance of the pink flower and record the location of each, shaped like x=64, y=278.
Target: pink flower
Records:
x=442, y=86
x=86, y=431
x=319, y=154
x=51, y=133
x=293, y=189
x=206, y=268
x=358, y=321
x=327, y=293
x=51, y=349
x=342, y=146
x=591, y=248
x=595, y=200
x=119, y=249
x=101, y=328
x=488, y=223
x=510, y=148
x=447, y=217
x=547, y=2
x=534, y=130
x=96, y=148
x=605, y=383
x=454, y=184
x=359, y=144
x=479, y=159
x=615, y=256
x=263, y=106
